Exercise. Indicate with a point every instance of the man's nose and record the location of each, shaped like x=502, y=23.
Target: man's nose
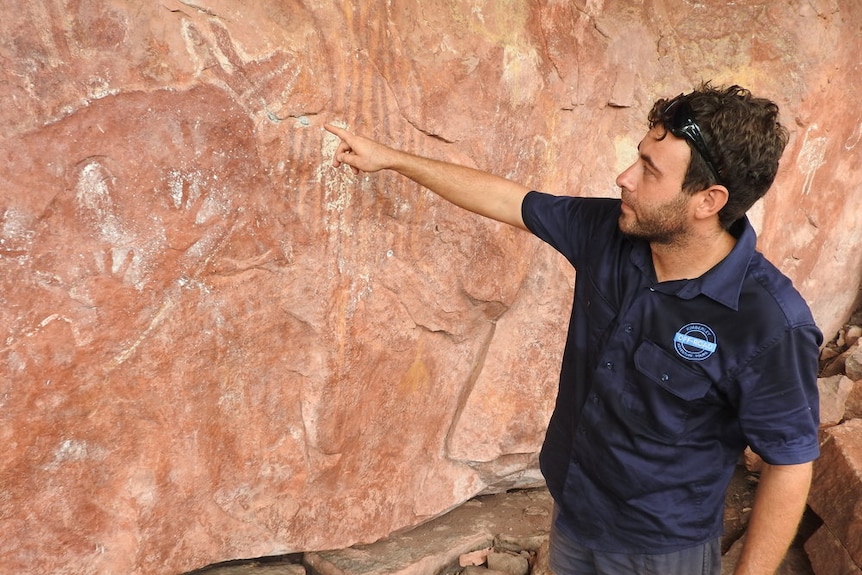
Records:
x=624, y=178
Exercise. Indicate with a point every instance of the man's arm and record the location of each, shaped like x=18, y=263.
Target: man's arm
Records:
x=482, y=193
x=778, y=507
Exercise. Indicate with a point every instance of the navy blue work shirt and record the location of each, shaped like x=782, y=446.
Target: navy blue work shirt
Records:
x=663, y=385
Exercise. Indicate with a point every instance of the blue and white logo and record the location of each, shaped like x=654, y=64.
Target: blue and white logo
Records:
x=695, y=342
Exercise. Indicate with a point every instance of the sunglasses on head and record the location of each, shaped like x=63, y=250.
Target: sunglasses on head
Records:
x=679, y=120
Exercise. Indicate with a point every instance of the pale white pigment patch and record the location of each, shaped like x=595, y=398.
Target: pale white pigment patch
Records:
x=216, y=203
x=74, y=450
x=520, y=74
x=811, y=157
x=93, y=197
x=854, y=138
x=101, y=88
x=175, y=189
x=120, y=257
x=127, y=259
x=15, y=363
x=142, y=487
x=477, y=12
x=196, y=191
x=184, y=188
x=16, y=235
x=338, y=191
x=15, y=229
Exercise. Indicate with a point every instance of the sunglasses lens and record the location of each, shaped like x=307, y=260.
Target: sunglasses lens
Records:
x=679, y=119
x=679, y=115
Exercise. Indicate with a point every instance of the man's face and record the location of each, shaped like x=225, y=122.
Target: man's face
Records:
x=654, y=206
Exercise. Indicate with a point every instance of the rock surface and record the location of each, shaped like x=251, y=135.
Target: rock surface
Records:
x=483, y=524
x=836, y=493
x=216, y=346
x=828, y=556
x=501, y=533
x=834, y=393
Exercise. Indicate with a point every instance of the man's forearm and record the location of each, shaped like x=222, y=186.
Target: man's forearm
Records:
x=471, y=189
x=778, y=507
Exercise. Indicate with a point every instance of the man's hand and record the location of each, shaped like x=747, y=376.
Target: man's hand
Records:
x=361, y=154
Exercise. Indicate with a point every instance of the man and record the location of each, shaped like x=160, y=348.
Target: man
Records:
x=684, y=346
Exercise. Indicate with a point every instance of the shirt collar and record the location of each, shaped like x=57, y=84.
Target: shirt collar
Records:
x=723, y=283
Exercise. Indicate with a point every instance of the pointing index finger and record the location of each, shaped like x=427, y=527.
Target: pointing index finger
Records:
x=340, y=132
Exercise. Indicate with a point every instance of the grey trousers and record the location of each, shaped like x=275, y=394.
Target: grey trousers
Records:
x=569, y=558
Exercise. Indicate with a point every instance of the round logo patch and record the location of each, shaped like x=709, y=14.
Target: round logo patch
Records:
x=695, y=342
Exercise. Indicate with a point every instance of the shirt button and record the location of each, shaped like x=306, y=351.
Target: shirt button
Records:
x=595, y=399
x=665, y=377
x=629, y=328
x=609, y=365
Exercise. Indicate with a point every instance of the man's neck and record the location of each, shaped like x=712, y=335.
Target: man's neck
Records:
x=690, y=256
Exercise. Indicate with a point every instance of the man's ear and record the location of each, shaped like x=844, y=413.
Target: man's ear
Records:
x=711, y=201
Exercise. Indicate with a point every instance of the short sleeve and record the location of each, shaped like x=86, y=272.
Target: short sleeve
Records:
x=568, y=223
x=779, y=409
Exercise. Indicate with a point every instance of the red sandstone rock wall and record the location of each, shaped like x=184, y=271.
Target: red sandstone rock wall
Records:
x=216, y=346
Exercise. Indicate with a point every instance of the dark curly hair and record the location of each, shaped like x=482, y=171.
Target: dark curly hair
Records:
x=744, y=140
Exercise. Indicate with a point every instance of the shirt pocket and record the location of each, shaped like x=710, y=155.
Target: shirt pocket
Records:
x=663, y=393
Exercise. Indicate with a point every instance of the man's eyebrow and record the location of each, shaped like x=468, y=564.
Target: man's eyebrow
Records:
x=648, y=160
